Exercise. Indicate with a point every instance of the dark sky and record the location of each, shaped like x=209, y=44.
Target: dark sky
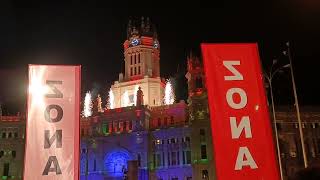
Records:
x=92, y=34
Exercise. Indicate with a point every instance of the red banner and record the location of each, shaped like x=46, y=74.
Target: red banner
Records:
x=241, y=129
x=52, y=133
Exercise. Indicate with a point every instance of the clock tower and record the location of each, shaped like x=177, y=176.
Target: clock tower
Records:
x=141, y=51
x=142, y=66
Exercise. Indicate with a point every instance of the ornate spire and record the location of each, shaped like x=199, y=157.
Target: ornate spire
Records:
x=129, y=29
x=155, y=34
x=142, y=24
x=134, y=31
x=148, y=25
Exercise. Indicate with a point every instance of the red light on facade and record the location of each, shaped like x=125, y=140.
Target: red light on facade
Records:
x=138, y=113
x=147, y=41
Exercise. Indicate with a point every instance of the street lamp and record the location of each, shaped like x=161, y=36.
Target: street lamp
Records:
x=269, y=76
x=288, y=53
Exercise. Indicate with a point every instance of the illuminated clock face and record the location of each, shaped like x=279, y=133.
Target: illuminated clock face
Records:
x=134, y=42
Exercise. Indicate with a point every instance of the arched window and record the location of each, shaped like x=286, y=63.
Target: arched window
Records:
x=13, y=153
x=4, y=134
x=171, y=120
x=165, y=121
x=1, y=154
x=199, y=82
x=159, y=122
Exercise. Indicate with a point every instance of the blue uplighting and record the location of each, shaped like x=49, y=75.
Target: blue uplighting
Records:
x=116, y=163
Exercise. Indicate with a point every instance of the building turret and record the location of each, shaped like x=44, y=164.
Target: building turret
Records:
x=142, y=66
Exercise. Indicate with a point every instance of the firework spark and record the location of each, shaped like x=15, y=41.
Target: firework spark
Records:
x=87, y=107
x=111, y=99
x=169, y=96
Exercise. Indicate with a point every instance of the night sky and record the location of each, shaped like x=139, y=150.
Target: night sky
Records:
x=92, y=34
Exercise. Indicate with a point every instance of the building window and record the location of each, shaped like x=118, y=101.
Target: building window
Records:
x=130, y=60
x=178, y=158
x=172, y=140
x=125, y=125
x=174, y=178
x=13, y=153
x=202, y=132
x=6, y=169
x=188, y=139
x=121, y=126
x=203, y=151
x=318, y=144
x=174, y=158
x=202, y=135
x=84, y=150
x=4, y=135
x=139, y=160
x=139, y=58
x=130, y=125
x=171, y=120
x=105, y=128
x=139, y=69
x=131, y=71
x=15, y=135
x=110, y=127
x=135, y=60
x=157, y=160
x=199, y=82
x=188, y=157
x=1, y=154
x=135, y=70
x=169, y=159
x=159, y=122
x=163, y=163
x=165, y=122
x=10, y=135
x=115, y=126
x=205, y=174
x=278, y=125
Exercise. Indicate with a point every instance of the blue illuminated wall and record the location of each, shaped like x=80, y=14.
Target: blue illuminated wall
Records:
x=116, y=163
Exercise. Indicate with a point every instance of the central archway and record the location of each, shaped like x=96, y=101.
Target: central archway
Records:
x=116, y=162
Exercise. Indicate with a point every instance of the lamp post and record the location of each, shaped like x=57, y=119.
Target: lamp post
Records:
x=269, y=76
x=305, y=160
